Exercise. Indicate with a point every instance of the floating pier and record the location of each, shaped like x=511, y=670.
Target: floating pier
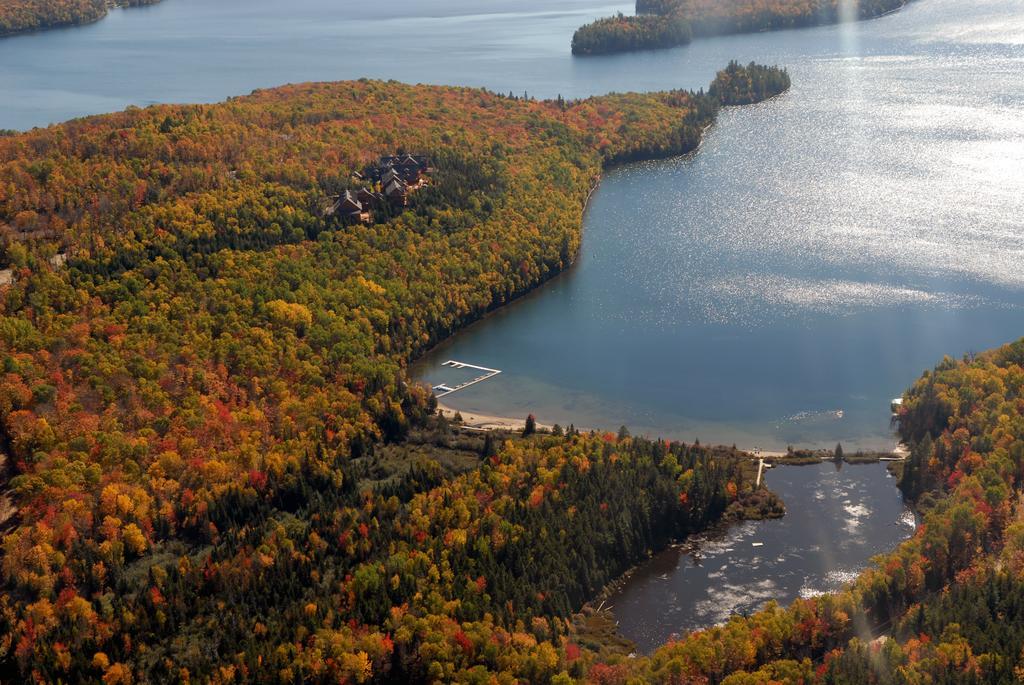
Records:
x=443, y=389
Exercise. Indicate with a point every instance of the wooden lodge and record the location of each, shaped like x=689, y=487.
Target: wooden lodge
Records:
x=411, y=168
x=348, y=204
x=350, y=208
x=397, y=192
x=388, y=181
x=369, y=199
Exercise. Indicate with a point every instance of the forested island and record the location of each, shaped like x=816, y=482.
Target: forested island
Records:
x=670, y=23
x=220, y=468
x=20, y=16
x=746, y=85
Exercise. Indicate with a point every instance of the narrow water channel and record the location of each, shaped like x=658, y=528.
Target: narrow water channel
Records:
x=836, y=520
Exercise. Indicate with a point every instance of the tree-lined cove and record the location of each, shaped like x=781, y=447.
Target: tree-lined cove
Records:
x=838, y=516
x=217, y=466
x=751, y=293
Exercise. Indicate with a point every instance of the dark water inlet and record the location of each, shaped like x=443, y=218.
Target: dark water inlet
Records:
x=836, y=520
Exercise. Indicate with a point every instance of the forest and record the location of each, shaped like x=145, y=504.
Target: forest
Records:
x=658, y=22
x=219, y=467
x=18, y=16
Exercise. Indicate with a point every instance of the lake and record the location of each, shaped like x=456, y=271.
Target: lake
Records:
x=783, y=284
x=836, y=519
x=779, y=287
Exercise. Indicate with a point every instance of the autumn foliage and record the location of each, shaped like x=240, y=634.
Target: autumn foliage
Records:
x=625, y=33
x=222, y=472
x=221, y=469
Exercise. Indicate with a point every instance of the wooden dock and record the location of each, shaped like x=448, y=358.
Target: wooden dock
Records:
x=443, y=389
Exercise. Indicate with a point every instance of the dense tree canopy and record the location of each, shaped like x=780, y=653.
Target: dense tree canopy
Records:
x=657, y=22
x=223, y=474
x=739, y=85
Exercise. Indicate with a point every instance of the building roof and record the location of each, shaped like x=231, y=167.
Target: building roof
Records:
x=389, y=166
x=347, y=198
x=391, y=175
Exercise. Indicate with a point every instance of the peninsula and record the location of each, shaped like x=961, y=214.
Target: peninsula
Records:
x=220, y=467
x=670, y=23
x=22, y=16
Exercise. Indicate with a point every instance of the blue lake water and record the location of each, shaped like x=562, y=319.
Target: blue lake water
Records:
x=783, y=284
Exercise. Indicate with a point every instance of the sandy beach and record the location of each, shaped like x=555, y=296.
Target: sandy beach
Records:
x=487, y=422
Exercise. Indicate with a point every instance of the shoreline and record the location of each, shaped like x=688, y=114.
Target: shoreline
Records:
x=493, y=309
x=110, y=5
x=479, y=421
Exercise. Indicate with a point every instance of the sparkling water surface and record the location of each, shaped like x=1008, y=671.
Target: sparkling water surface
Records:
x=778, y=287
